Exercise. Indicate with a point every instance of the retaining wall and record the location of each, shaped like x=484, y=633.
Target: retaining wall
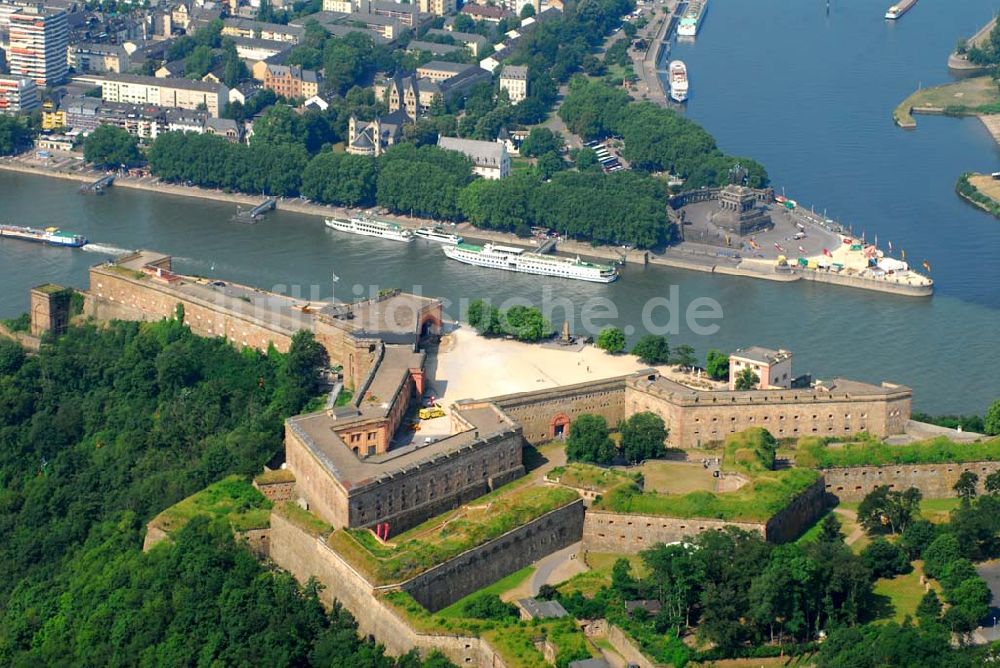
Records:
x=538, y=412
x=935, y=481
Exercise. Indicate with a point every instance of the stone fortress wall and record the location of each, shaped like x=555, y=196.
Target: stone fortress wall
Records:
x=543, y=413
x=935, y=481
x=628, y=533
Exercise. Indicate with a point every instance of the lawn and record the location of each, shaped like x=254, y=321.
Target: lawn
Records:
x=966, y=96
x=677, y=477
x=590, y=477
x=232, y=498
x=766, y=495
x=902, y=593
x=448, y=535
x=815, y=454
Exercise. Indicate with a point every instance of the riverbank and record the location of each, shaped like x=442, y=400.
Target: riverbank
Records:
x=973, y=96
x=674, y=257
x=959, y=63
x=981, y=191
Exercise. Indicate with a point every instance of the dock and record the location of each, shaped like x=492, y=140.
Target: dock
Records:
x=547, y=247
x=253, y=214
x=99, y=186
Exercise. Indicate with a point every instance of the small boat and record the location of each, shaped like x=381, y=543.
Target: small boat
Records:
x=438, y=235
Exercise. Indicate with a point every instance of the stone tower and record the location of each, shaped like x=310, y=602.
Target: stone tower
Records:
x=50, y=306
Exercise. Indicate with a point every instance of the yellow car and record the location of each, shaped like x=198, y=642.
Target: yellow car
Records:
x=431, y=413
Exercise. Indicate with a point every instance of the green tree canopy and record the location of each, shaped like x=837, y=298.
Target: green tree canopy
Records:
x=747, y=379
x=110, y=146
x=14, y=135
x=642, y=437
x=611, y=340
x=717, y=364
x=589, y=440
x=652, y=349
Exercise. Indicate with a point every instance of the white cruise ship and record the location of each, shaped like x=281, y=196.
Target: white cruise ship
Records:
x=371, y=228
x=691, y=21
x=516, y=259
x=438, y=235
x=678, y=75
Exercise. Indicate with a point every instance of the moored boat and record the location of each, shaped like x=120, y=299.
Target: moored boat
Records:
x=678, y=77
x=691, y=20
x=370, y=228
x=438, y=235
x=518, y=260
x=51, y=236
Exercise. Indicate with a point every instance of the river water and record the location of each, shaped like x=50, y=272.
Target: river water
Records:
x=816, y=110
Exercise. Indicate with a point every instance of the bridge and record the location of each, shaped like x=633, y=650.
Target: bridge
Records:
x=99, y=186
x=547, y=247
x=253, y=214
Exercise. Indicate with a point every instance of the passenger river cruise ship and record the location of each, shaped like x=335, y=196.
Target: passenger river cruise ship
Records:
x=371, y=228
x=516, y=259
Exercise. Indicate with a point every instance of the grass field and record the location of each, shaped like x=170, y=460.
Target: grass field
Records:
x=987, y=185
x=968, y=95
x=677, y=477
x=902, y=593
x=232, y=498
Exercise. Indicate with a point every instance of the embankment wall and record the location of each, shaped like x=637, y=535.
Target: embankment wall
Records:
x=935, y=481
x=542, y=413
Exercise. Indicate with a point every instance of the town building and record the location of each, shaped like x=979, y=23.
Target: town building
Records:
x=373, y=138
x=84, y=114
x=773, y=368
x=39, y=39
x=434, y=48
x=89, y=57
x=256, y=50
x=490, y=13
x=475, y=43
x=291, y=81
x=273, y=32
x=53, y=118
x=416, y=94
x=438, y=7
x=489, y=159
x=143, y=90
x=18, y=95
x=514, y=80
x=339, y=6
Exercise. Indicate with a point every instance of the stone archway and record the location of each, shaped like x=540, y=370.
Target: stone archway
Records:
x=559, y=426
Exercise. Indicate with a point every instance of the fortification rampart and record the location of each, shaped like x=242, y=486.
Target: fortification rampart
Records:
x=605, y=531
x=481, y=566
x=305, y=556
x=935, y=481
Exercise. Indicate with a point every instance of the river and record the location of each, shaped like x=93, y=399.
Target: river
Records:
x=816, y=112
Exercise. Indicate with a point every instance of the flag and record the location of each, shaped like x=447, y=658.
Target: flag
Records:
x=903, y=253
x=778, y=246
x=827, y=253
x=927, y=265
x=801, y=249
x=890, y=246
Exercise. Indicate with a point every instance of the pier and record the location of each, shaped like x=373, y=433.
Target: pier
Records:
x=253, y=214
x=547, y=247
x=98, y=187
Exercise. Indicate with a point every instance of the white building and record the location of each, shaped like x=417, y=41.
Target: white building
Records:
x=178, y=93
x=490, y=159
x=772, y=367
x=39, y=39
x=18, y=94
x=514, y=80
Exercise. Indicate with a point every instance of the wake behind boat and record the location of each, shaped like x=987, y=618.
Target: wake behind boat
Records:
x=51, y=236
x=438, y=235
x=509, y=258
x=371, y=228
x=678, y=76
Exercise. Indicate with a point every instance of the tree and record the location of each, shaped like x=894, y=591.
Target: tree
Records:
x=942, y=551
x=586, y=160
x=829, y=530
x=642, y=437
x=527, y=11
x=747, y=380
x=992, y=483
x=110, y=146
x=198, y=63
x=541, y=141
x=652, y=349
x=340, y=178
x=717, y=364
x=589, y=440
x=991, y=423
x=525, y=323
x=883, y=508
x=885, y=559
x=14, y=135
x=965, y=486
x=234, y=70
x=916, y=537
x=484, y=318
x=611, y=340
x=929, y=609
x=683, y=355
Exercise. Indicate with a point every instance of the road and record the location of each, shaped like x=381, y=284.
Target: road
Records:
x=557, y=567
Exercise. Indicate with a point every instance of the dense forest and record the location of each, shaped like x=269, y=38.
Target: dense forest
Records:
x=99, y=432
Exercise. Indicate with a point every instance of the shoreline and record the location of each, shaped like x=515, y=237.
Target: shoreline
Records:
x=671, y=258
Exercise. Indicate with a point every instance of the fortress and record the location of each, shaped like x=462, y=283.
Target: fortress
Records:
x=343, y=461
